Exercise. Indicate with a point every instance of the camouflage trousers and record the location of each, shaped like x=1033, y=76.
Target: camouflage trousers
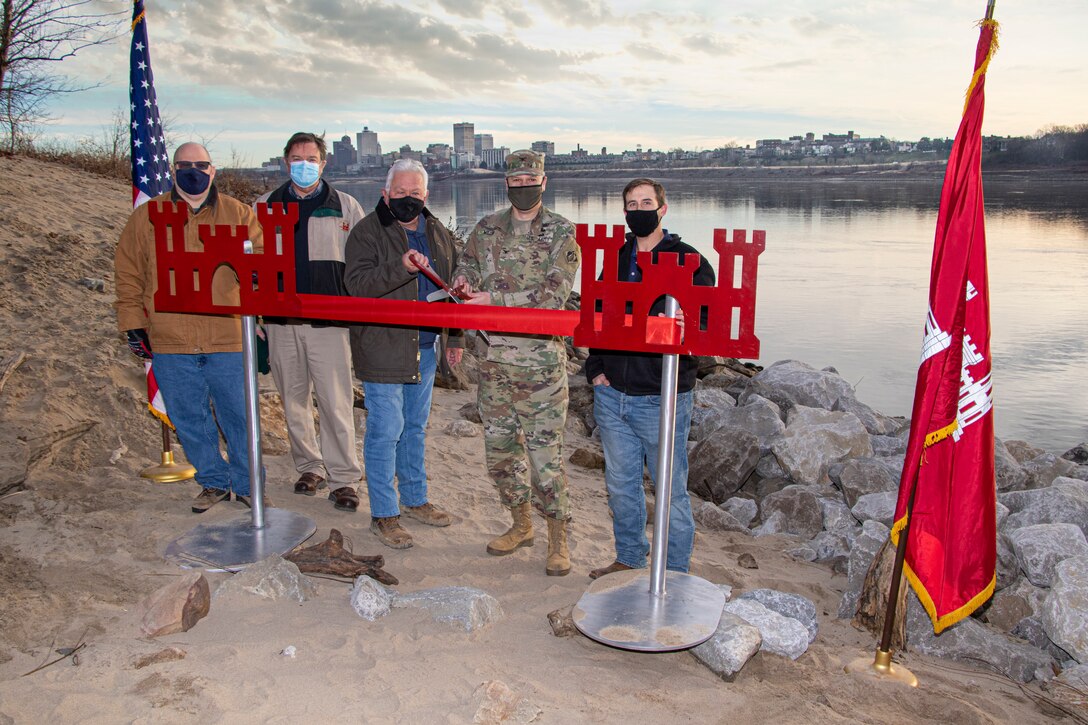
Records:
x=524, y=410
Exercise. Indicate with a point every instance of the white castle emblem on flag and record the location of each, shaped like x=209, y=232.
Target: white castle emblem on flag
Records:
x=976, y=396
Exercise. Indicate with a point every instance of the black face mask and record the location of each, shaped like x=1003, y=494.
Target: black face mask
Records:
x=643, y=222
x=405, y=208
x=525, y=198
x=192, y=181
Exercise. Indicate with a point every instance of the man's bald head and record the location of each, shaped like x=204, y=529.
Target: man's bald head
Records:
x=191, y=151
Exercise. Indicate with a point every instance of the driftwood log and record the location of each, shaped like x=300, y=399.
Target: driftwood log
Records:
x=330, y=557
x=873, y=602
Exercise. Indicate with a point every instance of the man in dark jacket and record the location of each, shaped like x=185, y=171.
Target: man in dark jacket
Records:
x=311, y=357
x=397, y=364
x=627, y=402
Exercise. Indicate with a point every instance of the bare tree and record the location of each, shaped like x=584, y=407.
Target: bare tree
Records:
x=34, y=34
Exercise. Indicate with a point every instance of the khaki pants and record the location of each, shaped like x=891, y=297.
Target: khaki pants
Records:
x=309, y=360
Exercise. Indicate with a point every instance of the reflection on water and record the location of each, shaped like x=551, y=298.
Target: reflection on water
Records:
x=845, y=277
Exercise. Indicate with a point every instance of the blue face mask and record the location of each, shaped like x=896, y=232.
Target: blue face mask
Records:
x=305, y=173
x=192, y=181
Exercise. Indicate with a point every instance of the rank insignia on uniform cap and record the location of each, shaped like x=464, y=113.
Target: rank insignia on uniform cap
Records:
x=524, y=162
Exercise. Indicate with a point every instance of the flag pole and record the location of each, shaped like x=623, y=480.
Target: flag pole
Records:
x=168, y=471
x=882, y=665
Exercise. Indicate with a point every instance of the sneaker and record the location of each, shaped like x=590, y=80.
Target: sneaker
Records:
x=209, y=497
x=428, y=514
x=391, y=533
x=248, y=503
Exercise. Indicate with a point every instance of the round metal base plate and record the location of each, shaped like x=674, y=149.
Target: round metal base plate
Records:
x=865, y=667
x=169, y=471
x=618, y=610
x=234, y=543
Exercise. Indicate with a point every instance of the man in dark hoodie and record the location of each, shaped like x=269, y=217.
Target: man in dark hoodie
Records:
x=397, y=364
x=627, y=401
x=313, y=356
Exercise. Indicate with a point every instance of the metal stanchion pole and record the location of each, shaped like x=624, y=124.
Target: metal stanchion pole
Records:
x=243, y=540
x=253, y=417
x=664, y=610
x=666, y=440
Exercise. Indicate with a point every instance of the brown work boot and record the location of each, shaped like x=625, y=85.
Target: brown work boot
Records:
x=518, y=535
x=611, y=568
x=308, y=483
x=391, y=533
x=209, y=497
x=558, y=555
x=428, y=514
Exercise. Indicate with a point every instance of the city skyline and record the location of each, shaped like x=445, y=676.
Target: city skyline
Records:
x=592, y=73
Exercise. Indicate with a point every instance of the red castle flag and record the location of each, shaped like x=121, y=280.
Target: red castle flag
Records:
x=150, y=162
x=949, y=467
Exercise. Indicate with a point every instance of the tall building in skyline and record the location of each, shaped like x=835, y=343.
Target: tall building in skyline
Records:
x=343, y=154
x=544, y=147
x=495, y=158
x=370, y=151
x=483, y=142
x=464, y=138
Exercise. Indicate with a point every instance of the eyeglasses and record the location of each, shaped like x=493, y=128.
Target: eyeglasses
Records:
x=202, y=165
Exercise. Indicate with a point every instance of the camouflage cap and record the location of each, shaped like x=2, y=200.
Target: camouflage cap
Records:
x=524, y=162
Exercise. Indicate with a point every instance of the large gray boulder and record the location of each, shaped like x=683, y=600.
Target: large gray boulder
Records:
x=1063, y=502
x=1008, y=567
x=1010, y=475
x=759, y=416
x=1077, y=454
x=888, y=445
x=972, y=642
x=464, y=608
x=799, y=507
x=1022, y=451
x=1065, y=610
x=733, y=643
x=719, y=465
x=815, y=439
x=875, y=422
x=876, y=506
x=789, y=605
x=1040, y=548
x=712, y=518
x=788, y=383
x=743, y=510
x=858, y=476
x=781, y=635
x=1043, y=470
x=371, y=599
x=273, y=578
x=708, y=405
x=837, y=516
x=866, y=545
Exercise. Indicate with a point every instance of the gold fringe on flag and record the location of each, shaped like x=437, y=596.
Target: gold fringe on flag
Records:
x=985, y=63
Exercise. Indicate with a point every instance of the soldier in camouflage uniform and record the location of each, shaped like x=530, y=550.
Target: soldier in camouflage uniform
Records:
x=524, y=256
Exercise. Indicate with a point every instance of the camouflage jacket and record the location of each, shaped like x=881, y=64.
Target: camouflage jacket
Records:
x=523, y=270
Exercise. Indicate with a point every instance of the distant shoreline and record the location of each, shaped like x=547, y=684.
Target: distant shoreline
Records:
x=912, y=171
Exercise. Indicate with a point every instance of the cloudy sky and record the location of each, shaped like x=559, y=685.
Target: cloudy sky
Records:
x=690, y=73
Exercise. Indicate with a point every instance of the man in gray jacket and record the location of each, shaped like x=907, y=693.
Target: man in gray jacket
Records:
x=397, y=364
x=313, y=356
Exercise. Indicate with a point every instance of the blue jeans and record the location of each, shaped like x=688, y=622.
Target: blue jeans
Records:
x=396, y=425
x=629, y=428
x=192, y=385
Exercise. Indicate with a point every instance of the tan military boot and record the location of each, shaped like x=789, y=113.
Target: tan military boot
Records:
x=558, y=555
x=518, y=535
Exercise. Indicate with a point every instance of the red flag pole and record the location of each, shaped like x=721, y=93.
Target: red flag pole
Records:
x=882, y=665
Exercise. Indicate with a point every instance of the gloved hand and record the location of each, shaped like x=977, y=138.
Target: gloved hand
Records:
x=138, y=343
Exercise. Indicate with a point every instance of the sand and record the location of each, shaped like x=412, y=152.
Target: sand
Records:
x=81, y=542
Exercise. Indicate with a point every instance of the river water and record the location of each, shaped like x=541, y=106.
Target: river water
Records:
x=845, y=277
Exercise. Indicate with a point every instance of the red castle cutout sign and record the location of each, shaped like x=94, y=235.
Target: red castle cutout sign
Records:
x=267, y=287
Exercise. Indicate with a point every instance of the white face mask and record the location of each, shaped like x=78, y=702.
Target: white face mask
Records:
x=305, y=173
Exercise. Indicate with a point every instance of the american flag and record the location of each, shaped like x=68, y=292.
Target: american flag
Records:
x=150, y=162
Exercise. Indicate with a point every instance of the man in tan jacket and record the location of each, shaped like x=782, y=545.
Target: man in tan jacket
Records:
x=197, y=359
